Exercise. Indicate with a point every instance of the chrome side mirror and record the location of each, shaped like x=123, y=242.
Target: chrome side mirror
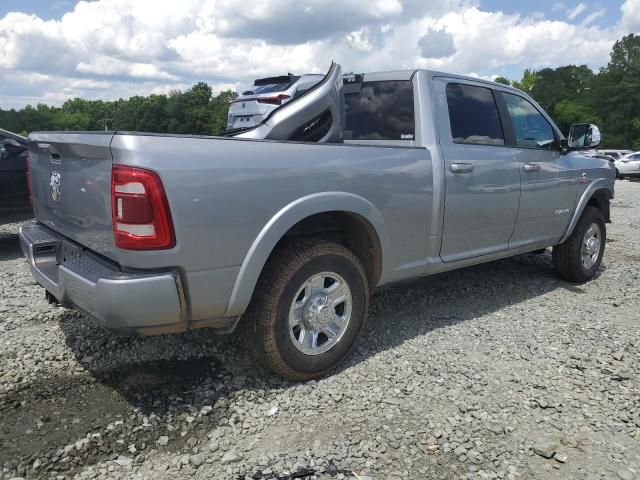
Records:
x=583, y=136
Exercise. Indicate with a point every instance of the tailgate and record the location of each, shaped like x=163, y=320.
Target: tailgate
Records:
x=71, y=186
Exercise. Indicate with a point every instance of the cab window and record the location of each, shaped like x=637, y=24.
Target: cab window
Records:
x=473, y=115
x=531, y=129
x=381, y=110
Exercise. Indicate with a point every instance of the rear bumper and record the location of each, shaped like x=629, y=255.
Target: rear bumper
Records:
x=132, y=303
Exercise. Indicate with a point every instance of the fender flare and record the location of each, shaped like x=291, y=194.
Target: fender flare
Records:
x=599, y=184
x=286, y=218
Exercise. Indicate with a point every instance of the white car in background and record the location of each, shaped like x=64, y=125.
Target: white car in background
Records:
x=266, y=94
x=615, y=154
x=628, y=166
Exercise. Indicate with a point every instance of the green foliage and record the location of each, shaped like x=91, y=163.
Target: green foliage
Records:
x=194, y=111
x=564, y=83
x=609, y=98
x=503, y=80
x=527, y=82
x=567, y=112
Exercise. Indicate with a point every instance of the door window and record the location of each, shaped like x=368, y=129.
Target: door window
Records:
x=473, y=115
x=379, y=110
x=531, y=129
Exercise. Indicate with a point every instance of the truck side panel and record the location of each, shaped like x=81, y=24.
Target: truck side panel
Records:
x=222, y=193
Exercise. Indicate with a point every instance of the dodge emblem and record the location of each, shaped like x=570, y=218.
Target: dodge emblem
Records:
x=54, y=186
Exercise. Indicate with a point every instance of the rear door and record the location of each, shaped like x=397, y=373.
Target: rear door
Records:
x=632, y=164
x=315, y=116
x=482, y=178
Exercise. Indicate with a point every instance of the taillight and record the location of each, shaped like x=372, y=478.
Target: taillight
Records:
x=140, y=211
x=28, y=161
x=277, y=100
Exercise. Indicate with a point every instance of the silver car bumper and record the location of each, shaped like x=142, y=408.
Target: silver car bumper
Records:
x=133, y=303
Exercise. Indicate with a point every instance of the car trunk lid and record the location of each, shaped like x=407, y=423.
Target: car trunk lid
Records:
x=315, y=116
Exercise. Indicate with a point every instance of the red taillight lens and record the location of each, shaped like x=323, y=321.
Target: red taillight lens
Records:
x=277, y=100
x=28, y=161
x=139, y=209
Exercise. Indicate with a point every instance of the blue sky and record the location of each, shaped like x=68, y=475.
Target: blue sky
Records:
x=117, y=48
x=557, y=9
x=46, y=9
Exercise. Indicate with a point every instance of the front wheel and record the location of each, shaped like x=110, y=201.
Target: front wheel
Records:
x=309, y=306
x=579, y=257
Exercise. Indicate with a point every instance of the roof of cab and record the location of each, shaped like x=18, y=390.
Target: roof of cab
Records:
x=408, y=74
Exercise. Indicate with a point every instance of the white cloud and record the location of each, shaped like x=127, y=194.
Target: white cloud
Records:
x=631, y=16
x=593, y=16
x=572, y=13
x=112, y=48
x=437, y=44
x=575, y=11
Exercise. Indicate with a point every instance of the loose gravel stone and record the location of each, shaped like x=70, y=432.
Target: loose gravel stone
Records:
x=561, y=457
x=456, y=376
x=230, y=457
x=545, y=447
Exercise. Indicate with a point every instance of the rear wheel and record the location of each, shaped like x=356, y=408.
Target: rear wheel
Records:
x=579, y=258
x=309, y=306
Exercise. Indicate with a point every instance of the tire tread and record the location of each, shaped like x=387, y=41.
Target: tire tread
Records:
x=257, y=324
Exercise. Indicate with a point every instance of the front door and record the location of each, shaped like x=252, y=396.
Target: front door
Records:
x=482, y=177
x=549, y=179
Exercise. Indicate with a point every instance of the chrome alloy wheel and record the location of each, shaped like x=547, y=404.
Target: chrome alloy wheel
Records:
x=591, y=246
x=320, y=313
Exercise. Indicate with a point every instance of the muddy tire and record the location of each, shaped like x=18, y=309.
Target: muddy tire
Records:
x=579, y=257
x=308, y=308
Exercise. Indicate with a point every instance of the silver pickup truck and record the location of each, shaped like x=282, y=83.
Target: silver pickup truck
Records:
x=286, y=229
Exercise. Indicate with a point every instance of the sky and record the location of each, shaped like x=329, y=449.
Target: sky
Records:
x=53, y=50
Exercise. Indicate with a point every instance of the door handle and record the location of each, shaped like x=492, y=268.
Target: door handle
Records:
x=461, y=167
x=531, y=167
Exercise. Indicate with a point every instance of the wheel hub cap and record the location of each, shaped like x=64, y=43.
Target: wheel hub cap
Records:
x=591, y=246
x=320, y=313
x=317, y=313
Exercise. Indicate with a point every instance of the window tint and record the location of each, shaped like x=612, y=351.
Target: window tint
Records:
x=473, y=115
x=271, y=88
x=379, y=111
x=529, y=126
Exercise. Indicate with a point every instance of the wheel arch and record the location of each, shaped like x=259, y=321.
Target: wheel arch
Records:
x=598, y=194
x=355, y=215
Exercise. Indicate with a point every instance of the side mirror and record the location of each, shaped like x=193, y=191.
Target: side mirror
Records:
x=583, y=136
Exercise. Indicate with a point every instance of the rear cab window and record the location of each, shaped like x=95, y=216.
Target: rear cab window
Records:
x=379, y=110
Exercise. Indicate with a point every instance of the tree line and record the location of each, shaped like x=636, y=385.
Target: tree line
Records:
x=609, y=98
x=195, y=111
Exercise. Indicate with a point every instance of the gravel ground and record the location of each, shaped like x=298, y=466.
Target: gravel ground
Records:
x=495, y=371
